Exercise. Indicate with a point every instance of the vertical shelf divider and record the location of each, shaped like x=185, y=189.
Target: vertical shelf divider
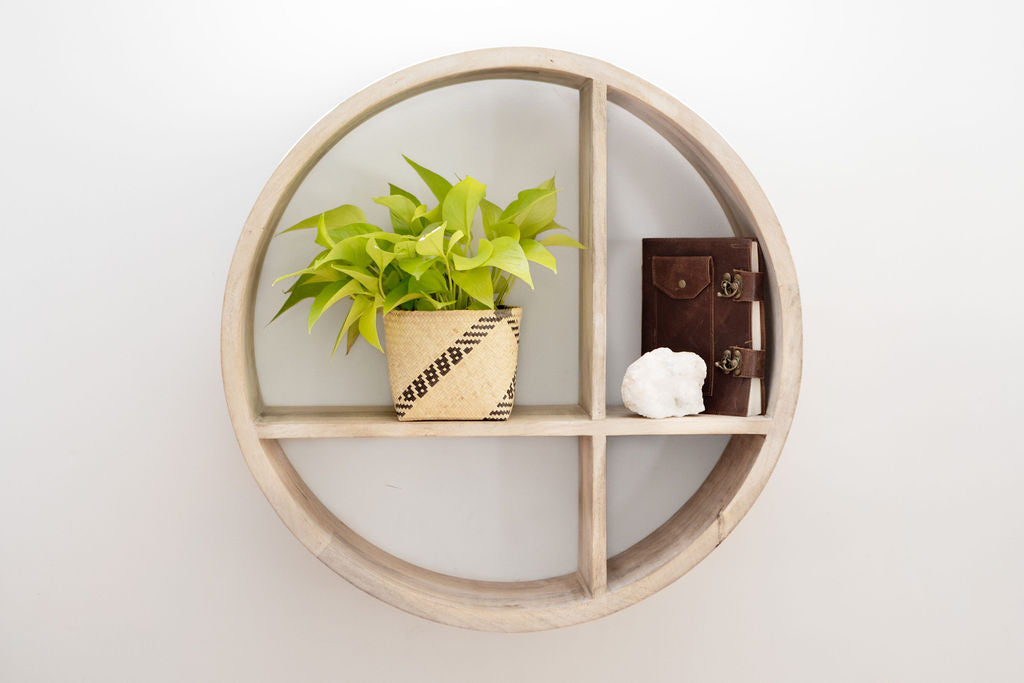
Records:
x=592, y=553
x=593, y=507
x=593, y=234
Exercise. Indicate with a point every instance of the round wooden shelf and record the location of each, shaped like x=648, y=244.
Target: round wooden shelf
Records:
x=601, y=585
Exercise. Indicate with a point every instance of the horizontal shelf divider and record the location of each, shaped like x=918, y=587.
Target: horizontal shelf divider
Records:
x=322, y=422
x=622, y=422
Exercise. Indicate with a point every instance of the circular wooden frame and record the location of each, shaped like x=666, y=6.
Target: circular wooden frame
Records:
x=602, y=585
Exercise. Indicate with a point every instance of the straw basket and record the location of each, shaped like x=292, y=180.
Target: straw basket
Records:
x=453, y=365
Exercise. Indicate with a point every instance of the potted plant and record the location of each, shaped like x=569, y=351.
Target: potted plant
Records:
x=452, y=343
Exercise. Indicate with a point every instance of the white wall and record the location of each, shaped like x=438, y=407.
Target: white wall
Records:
x=134, y=544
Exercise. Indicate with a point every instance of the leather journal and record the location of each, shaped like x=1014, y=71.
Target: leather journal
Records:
x=704, y=294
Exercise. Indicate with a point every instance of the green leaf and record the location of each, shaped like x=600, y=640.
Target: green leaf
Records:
x=454, y=243
x=303, y=291
x=359, y=306
x=344, y=215
x=299, y=281
x=380, y=257
x=304, y=271
x=398, y=296
x=433, y=216
x=438, y=185
x=343, y=232
x=416, y=265
x=502, y=284
x=395, y=293
x=483, y=252
x=533, y=233
x=315, y=274
x=352, y=248
x=490, y=213
x=353, y=337
x=325, y=274
x=392, y=278
x=476, y=283
x=368, y=327
x=509, y=256
x=304, y=224
x=395, y=189
x=404, y=250
x=363, y=276
x=419, y=220
x=560, y=240
x=424, y=300
x=401, y=209
x=432, y=243
x=532, y=210
x=438, y=304
x=537, y=253
x=332, y=293
x=430, y=282
x=351, y=251
x=399, y=205
x=383, y=236
x=322, y=236
x=503, y=229
x=335, y=218
x=461, y=203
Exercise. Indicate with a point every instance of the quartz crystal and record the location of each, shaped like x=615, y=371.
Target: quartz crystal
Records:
x=664, y=383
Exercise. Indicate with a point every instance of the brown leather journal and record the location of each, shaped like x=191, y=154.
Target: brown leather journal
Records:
x=704, y=294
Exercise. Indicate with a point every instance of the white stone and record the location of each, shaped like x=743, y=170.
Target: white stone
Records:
x=663, y=383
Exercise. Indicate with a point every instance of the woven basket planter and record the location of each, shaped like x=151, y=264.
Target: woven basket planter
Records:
x=453, y=365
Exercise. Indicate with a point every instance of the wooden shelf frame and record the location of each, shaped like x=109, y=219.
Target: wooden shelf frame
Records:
x=600, y=585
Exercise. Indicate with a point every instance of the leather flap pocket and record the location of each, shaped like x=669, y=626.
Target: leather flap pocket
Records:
x=681, y=277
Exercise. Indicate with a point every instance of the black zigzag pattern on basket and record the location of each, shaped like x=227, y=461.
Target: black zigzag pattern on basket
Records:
x=504, y=407
x=452, y=356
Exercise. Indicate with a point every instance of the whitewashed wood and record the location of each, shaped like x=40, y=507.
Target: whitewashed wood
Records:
x=671, y=550
x=593, y=235
x=322, y=422
x=592, y=552
x=621, y=422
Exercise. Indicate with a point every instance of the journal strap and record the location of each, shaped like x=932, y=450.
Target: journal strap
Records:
x=742, y=285
x=742, y=362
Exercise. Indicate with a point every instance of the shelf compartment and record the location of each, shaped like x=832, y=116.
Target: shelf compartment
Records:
x=323, y=422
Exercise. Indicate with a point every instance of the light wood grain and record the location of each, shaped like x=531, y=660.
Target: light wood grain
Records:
x=621, y=422
x=380, y=421
x=593, y=235
x=671, y=550
x=323, y=422
x=592, y=553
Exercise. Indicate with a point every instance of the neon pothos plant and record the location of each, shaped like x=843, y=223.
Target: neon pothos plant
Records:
x=432, y=260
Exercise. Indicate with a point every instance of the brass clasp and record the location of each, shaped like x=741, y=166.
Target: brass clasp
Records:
x=732, y=285
x=730, y=363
